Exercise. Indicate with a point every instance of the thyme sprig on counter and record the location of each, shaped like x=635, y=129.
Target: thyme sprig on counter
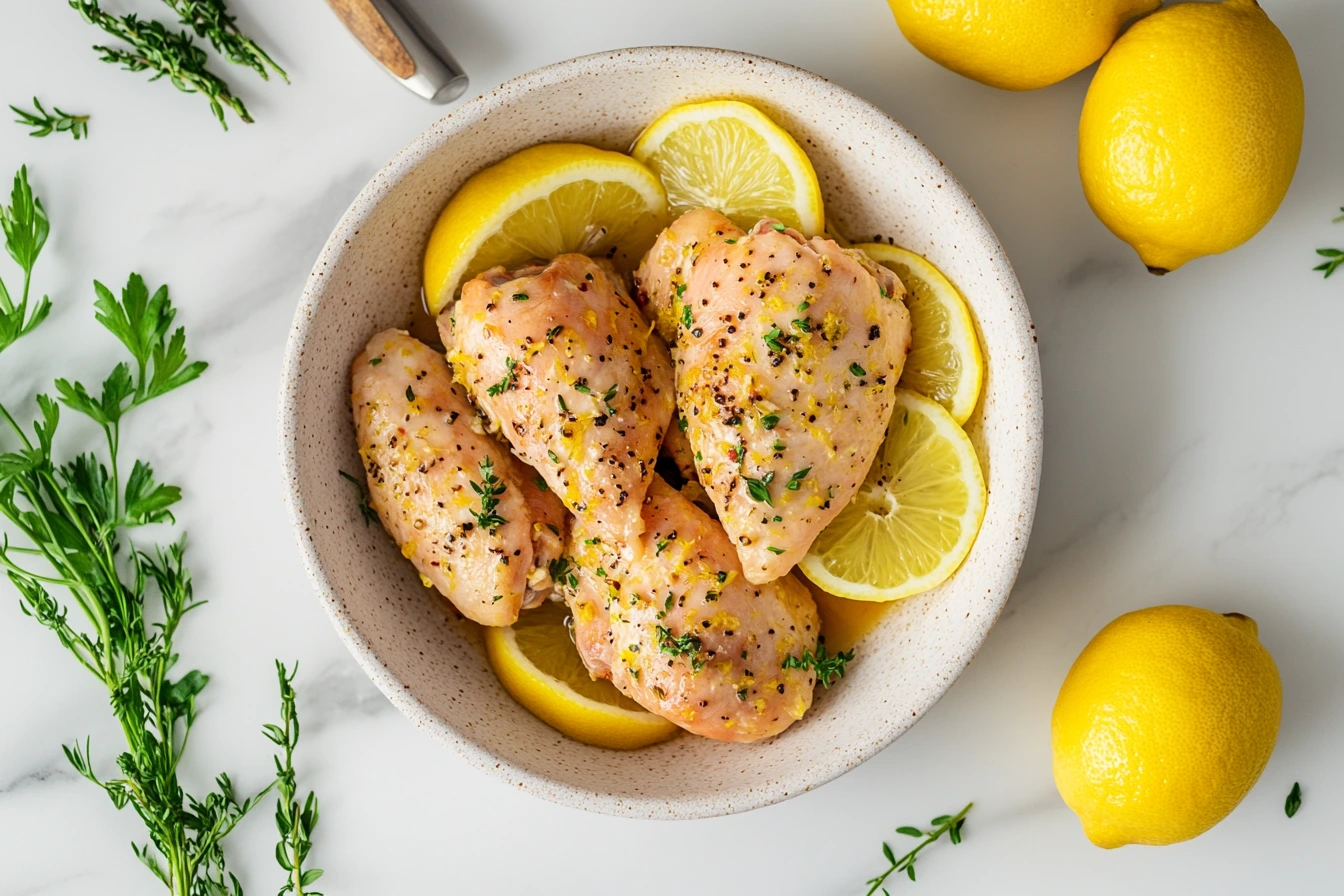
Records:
x=150, y=46
x=943, y=824
x=294, y=822
x=57, y=121
x=74, y=520
x=210, y=19
x=1334, y=258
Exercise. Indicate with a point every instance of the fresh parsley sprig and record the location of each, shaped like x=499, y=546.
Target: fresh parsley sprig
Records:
x=151, y=47
x=25, y=227
x=210, y=20
x=294, y=822
x=1334, y=258
x=826, y=666
x=55, y=122
x=943, y=824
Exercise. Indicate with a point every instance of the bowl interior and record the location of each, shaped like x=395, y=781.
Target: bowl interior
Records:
x=878, y=182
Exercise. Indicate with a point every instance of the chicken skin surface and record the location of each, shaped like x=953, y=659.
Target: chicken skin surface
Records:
x=787, y=352
x=564, y=363
x=674, y=624
x=462, y=508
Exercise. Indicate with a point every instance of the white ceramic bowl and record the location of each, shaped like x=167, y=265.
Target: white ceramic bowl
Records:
x=876, y=179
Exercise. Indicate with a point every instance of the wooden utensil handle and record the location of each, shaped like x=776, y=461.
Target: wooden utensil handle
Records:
x=368, y=25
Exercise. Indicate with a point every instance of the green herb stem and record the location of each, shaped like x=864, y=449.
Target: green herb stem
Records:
x=943, y=824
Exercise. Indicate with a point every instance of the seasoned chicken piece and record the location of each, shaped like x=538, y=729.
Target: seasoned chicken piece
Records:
x=787, y=356
x=667, y=266
x=675, y=625
x=463, y=510
x=562, y=361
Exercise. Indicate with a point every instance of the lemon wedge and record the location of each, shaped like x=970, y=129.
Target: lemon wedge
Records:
x=539, y=203
x=915, y=517
x=538, y=665
x=944, y=363
x=729, y=156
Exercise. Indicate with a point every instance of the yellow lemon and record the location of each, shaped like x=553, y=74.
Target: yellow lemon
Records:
x=944, y=363
x=541, y=202
x=913, y=520
x=1163, y=724
x=1191, y=130
x=1015, y=44
x=729, y=156
x=539, y=666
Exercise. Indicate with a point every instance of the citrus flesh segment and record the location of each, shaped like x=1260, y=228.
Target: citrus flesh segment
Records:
x=915, y=517
x=539, y=666
x=542, y=202
x=729, y=156
x=945, y=362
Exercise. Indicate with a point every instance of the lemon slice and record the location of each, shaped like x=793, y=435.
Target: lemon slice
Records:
x=944, y=363
x=537, y=663
x=729, y=156
x=539, y=203
x=915, y=517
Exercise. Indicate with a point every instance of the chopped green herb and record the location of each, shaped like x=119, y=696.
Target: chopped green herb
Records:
x=770, y=421
x=1294, y=801
x=803, y=306
x=686, y=316
x=774, y=550
x=681, y=290
x=731, y=242
x=662, y=546
x=723, y=576
x=778, y=446
x=857, y=370
x=581, y=387
x=742, y=692
x=826, y=666
x=554, y=332
x=682, y=423
x=687, y=645
x=778, y=226
x=804, y=324
x=410, y=394
x=374, y=362
x=797, y=478
x=510, y=379
x=560, y=402
x=771, y=339
x=496, y=599
x=541, y=484
x=601, y=572
x=520, y=297
x=555, y=458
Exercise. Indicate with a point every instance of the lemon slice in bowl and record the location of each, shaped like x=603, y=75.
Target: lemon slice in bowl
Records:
x=945, y=362
x=729, y=156
x=539, y=203
x=915, y=517
x=539, y=666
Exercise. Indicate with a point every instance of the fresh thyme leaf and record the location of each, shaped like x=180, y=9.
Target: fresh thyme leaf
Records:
x=410, y=394
x=489, y=488
x=772, y=340
x=661, y=546
x=508, y=382
x=778, y=226
x=759, y=489
x=374, y=362
x=943, y=824
x=554, y=332
x=857, y=370
x=770, y=421
x=1334, y=258
x=520, y=297
x=686, y=316
x=796, y=479
x=541, y=484
x=774, y=550
x=174, y=55
x=295, y=822
x=210, y=20
x=365, y=509
x=826, y=666
x=1294, y=801
x=55, y=122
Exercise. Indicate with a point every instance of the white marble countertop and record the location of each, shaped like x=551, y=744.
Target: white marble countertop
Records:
x=1195, y=454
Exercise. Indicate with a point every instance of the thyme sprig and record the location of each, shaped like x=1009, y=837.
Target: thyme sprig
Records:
x=151, y=47
x=489, y=488
x=210, y=19
x=294, y=822
x=826, y=666
x=57, y=121
x=943, y=824
x=1334, y=258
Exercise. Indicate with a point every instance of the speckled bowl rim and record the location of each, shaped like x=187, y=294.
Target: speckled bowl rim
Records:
x=882, y=731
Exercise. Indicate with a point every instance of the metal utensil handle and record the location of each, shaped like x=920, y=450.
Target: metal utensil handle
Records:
x=403, y=46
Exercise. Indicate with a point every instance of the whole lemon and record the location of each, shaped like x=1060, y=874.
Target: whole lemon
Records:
x=1163, y=724
x=1015, y=44
x=1191, y=130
